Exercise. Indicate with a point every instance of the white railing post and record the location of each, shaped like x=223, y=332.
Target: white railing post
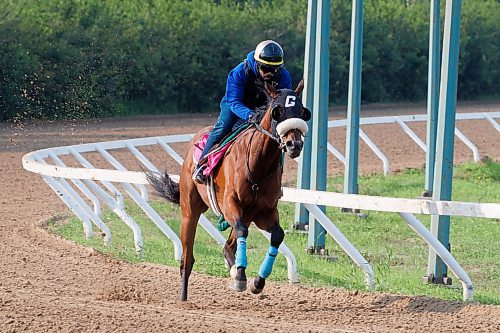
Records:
x=443, y=253
x=468, y=143
x=344, y=243
x=376, y=150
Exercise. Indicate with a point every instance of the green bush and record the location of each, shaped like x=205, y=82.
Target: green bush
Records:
x=79, y=59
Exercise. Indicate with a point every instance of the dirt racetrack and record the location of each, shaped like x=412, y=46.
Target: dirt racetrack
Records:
x=51, y=285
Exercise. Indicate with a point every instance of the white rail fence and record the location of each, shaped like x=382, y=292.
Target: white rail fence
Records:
x=402, y=122
x=93, y=187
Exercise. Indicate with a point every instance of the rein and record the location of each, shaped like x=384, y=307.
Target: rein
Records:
x=270, y=135
x=276, y=139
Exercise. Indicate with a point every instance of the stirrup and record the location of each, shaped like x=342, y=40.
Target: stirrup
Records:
x=198, y=175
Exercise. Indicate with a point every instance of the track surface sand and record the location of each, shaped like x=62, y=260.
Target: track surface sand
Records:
x=48, y=284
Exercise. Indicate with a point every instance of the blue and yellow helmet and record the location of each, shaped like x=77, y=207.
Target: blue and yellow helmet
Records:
x=269, y=53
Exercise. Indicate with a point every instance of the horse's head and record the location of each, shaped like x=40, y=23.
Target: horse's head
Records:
x=289, y=117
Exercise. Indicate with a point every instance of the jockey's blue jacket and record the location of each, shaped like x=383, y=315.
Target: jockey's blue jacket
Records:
x=240, y=87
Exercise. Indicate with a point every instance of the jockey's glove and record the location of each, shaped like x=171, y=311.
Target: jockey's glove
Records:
x=254, y=118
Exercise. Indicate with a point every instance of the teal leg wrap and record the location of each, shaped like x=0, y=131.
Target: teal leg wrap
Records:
x=241, y=252
x=267, y=265
x=222, y=224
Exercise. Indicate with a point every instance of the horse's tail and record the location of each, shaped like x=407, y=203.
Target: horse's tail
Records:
x=164, y=186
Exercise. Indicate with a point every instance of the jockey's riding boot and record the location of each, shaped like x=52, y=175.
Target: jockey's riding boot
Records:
x=198, y=175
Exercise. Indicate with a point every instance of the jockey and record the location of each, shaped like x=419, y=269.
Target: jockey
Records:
x=244, y=94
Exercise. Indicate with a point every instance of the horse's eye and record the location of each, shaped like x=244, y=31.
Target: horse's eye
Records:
x=277, y=112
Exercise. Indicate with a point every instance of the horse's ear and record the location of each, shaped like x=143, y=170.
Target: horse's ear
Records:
x=306, y=114
x=270, y=90
x=300, y=87
x=277, y=112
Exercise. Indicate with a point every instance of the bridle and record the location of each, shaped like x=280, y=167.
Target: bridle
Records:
x=277, y=139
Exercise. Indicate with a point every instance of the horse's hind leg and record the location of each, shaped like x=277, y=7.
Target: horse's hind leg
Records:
x=190, y=214
x=277, y=235
x=230, y=249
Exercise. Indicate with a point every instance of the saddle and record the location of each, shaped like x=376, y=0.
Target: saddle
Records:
x=215, y=155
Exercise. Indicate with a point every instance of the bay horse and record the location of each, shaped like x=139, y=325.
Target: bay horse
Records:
x=247, y=185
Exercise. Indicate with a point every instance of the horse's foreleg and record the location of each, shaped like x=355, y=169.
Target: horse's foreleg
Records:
x=277, y=235
x=239, y=282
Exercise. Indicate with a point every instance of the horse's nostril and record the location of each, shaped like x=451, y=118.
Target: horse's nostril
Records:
x=294, y=145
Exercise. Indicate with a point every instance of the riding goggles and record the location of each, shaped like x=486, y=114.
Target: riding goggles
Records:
x=269, y=69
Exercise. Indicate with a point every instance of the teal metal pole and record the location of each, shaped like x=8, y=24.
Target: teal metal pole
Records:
x=440, y=225
x=432, y=96
x=316, y=238
x=304, y=169
x=354, y=99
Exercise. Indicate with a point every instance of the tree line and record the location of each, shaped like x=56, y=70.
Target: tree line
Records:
x=90, y=58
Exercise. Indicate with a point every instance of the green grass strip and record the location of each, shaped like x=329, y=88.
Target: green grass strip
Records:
x=397, y=254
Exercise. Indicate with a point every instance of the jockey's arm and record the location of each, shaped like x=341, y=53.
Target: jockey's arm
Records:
x=235, y=91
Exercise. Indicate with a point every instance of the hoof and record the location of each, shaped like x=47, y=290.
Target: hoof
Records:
x=238, y=285
x=233, y=271
x=253, y=288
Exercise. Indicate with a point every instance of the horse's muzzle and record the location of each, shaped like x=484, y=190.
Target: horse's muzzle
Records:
x=294, y=147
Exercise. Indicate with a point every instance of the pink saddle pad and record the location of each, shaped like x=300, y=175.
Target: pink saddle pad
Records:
x=213, y=158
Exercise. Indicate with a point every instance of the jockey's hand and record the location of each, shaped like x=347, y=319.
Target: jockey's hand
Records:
x=254, y=118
